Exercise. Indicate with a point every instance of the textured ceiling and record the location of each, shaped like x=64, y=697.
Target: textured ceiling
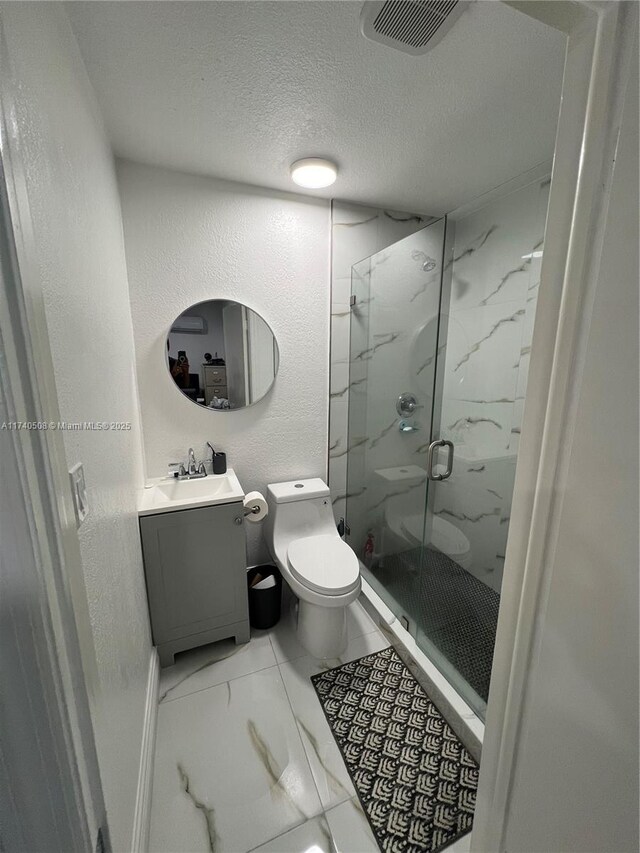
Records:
x=239, y=90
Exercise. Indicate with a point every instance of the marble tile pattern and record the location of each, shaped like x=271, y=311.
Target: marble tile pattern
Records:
x=495, y=280
x=393, y=346
x=495, y=271
x=356, y=233
x=245, y=760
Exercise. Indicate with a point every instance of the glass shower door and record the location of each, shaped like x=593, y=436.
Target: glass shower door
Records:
x=405, y=510
x=395, y=318
x=440, y=352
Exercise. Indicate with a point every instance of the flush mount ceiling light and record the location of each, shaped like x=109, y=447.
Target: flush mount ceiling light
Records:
x=314, y=173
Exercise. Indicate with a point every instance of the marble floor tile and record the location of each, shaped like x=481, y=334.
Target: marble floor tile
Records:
x=313, y=836
x=230, y=770
x=358, y=621
x=350, y=829
x=214, y=664
x=283, y=636
x=328, y=768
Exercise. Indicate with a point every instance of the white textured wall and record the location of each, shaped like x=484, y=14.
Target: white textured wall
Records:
x=78, y=232
x=192, y=238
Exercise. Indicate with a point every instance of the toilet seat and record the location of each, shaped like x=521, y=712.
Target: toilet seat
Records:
x=324, y=564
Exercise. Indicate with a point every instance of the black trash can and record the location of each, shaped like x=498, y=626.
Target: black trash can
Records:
x=264, y=604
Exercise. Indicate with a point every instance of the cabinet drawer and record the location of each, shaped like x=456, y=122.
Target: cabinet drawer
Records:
x=212, y=391
x=215, y=375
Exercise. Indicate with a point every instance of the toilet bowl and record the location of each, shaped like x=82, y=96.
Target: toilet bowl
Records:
x=320, y=569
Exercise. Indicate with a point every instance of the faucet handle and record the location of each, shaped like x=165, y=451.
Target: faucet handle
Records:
x=202, y=469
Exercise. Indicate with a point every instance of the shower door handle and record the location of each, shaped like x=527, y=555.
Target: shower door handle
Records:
x=430, y=459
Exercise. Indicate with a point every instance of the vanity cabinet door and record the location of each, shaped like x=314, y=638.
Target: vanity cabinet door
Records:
x=195, y=567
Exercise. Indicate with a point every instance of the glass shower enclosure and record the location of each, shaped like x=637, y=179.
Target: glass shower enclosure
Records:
x=436, y=389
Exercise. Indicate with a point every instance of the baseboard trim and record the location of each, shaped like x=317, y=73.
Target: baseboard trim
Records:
x=140, y=840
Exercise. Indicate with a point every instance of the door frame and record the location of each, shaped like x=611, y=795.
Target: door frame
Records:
x=598, y=63
x=49, y=551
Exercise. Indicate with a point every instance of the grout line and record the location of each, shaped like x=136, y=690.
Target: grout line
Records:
x=280, y=834
x=219, y=684
x=304, y=749
x=291, y=660
x=271, y=642
x=297, y=826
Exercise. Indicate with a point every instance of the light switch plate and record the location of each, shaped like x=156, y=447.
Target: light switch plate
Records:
x=79, y=491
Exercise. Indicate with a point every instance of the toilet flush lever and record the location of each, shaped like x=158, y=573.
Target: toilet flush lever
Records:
x=431, y=459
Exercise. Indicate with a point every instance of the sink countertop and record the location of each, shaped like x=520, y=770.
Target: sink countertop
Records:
x=168, y=494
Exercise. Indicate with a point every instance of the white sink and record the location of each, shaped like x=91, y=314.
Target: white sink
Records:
x=167, y=494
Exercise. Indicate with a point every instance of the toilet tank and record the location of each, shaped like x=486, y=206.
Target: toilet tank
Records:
x=297, y=508
x=297, y=490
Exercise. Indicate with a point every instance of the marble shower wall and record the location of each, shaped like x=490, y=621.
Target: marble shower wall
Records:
x=356, y=233
x=495, y=279
x=386, y=345
x=394, y=335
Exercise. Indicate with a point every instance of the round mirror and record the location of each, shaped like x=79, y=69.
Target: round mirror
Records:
x=222, y=355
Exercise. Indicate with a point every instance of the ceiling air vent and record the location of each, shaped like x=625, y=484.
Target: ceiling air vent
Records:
x=413, y=26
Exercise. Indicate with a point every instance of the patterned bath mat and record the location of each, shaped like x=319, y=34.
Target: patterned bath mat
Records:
x=416, y=781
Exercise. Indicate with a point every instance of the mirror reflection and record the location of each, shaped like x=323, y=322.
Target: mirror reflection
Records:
x=222, y=355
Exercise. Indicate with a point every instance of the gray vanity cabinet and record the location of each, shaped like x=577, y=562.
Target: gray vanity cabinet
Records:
x=196, y=574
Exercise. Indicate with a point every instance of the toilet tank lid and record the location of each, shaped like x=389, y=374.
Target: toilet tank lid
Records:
x=297, y=490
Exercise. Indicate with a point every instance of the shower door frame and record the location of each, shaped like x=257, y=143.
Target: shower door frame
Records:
x=598, y=58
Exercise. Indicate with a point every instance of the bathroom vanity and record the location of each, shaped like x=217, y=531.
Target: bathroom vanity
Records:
x=194, y=552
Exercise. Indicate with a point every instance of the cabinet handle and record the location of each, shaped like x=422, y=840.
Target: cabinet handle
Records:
x=237, y=519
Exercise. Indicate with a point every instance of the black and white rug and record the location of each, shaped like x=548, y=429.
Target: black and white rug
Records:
x=416, y=781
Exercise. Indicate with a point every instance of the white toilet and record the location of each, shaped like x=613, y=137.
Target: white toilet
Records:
x=321, y=569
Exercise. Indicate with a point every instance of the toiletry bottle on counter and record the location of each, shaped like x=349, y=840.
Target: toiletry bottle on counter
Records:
x=367, y=555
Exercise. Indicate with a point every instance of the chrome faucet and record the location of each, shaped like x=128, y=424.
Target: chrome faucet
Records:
x=193, y=471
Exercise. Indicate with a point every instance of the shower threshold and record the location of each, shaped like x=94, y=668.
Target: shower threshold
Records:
x=458, y=713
